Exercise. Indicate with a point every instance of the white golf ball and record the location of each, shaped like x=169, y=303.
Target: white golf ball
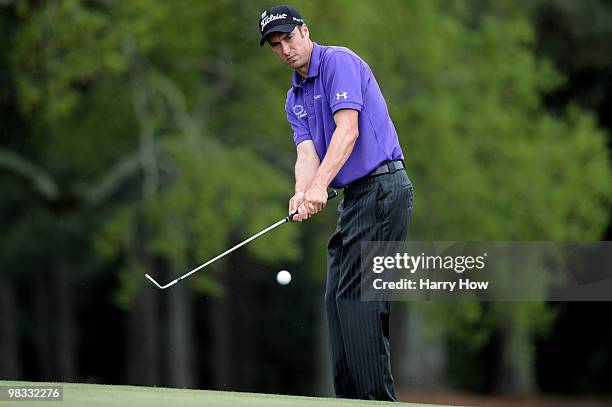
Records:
x=283, y=277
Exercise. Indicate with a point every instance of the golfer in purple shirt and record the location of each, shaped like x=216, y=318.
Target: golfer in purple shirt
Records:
x=344, y=139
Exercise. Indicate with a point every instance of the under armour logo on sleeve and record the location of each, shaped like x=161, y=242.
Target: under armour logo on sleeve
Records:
x=343, y=94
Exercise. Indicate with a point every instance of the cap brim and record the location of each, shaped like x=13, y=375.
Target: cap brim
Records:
x=285, y=28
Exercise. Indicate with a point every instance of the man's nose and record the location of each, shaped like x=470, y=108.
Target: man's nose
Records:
x=285, y=48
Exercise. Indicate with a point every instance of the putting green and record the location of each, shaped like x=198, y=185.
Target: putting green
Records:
x=92, y=395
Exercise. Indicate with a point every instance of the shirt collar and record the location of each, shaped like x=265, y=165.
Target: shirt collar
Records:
x=313, y=68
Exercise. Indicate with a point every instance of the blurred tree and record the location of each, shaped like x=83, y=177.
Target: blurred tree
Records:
x=147, y=76
x=576, y=36
x=464, y=87
x=157, y=132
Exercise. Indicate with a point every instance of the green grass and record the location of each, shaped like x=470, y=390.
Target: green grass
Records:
x=79, y=395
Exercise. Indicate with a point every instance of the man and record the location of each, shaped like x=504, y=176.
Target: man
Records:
x=345, y=139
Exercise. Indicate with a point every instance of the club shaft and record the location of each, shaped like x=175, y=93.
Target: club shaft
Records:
x=330, y=195
x=266, y=230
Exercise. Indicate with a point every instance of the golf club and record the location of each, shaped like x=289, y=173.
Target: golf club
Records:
x=330, y=195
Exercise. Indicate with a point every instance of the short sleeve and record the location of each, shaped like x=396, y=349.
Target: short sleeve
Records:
x=294, y=114
x=342, y=81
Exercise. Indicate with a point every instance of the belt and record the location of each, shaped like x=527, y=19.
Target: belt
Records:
x=387, y=167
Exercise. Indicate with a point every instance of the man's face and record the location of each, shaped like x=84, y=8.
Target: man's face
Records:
x=292, y=48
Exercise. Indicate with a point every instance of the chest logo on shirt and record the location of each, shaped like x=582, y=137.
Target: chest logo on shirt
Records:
x=299, y=111
x=317, y=97
x=341, y=95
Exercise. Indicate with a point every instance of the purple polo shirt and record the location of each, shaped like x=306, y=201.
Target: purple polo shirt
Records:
x=339, y=79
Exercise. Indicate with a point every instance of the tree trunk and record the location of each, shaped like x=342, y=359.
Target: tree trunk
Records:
x=239, y=292
x=10, y=366
x=42, y=321
x=143, y=339
x=516, y=375
x=325, y=381
x=421, y=358
x=222, y=345
x=181, y=352
x=64, y=327
x=143, y=343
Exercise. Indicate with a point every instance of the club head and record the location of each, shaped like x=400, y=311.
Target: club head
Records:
x=155, y=283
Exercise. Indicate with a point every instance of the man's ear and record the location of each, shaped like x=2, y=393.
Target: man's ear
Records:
x=306, y=31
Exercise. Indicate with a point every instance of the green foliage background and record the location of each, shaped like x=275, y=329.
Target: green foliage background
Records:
x=161, y=124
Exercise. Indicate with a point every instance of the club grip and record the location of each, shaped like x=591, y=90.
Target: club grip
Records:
x=331, y=194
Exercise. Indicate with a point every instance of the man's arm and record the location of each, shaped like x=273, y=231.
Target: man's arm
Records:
x=340, y=148
x=306, y=166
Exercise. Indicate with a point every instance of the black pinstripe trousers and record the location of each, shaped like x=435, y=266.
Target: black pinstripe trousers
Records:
x=373, y=209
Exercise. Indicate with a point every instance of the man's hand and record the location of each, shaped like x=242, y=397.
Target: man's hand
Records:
x=308, y=203
x=315, y=199
x=296, y=203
